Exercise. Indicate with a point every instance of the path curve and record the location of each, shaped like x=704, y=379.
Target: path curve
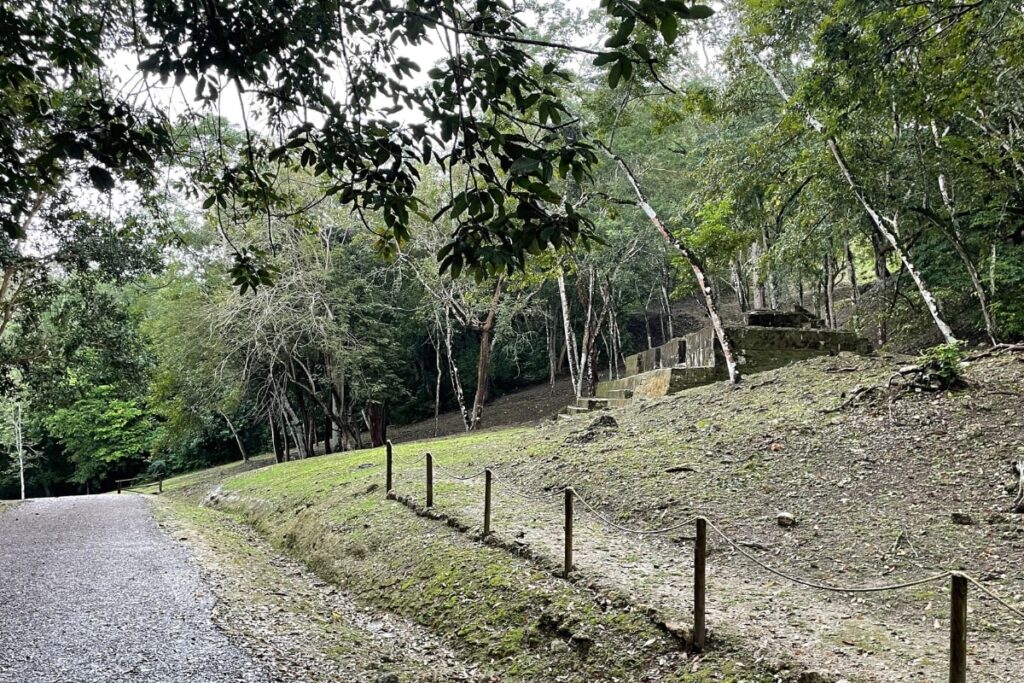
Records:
x=92, y=590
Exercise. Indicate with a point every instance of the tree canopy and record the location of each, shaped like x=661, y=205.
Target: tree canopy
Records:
x=286, y=224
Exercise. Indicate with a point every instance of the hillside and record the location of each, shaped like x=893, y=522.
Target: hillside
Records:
x=872, y=489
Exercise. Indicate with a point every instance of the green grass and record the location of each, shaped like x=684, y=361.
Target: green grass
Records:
x=764, y=446
x=500, y=610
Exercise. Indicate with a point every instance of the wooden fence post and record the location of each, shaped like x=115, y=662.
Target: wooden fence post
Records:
x=568, y=531
x=389, y=480
x=430, y=480
x=700, y=554
x=958, y=629
x=487, y=502
x=118, y=487
x=160, y=485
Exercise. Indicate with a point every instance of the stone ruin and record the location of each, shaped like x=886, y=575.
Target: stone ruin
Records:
x=769, y=340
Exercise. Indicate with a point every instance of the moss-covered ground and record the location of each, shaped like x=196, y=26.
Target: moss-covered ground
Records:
x=871, y=488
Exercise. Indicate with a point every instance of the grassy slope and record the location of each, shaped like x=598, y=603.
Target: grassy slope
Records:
x=516, y=620
x=855, y=480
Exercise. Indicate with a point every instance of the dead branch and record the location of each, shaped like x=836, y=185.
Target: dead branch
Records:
x=1018, y=503
x=860, y=394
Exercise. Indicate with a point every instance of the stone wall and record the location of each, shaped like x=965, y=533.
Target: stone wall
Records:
x=655, y=383
x=696, y=359
x=767, y=348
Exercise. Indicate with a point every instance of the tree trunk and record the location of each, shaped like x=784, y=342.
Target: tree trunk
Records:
x=739, y=284
x=668, y=312
x=437, y=384
x=20, y=446
x=291, y=422
x=588, y=330
x=992, y=271
x=238, y=439
x=355, y=434
x=881, y=252
x=453, y=372
x=851, y=270
x=760, y=293
x=695, y=265
x=329, y=426
x=570, y=336
x=376, y=423
x=886, y=227
x=953, y=235
x=830, y=291
x=551, y=344
x=613, y=345
x=484, y=359
x=275, y=437
x=287, y=447
x=890, y=236
x=647, y=321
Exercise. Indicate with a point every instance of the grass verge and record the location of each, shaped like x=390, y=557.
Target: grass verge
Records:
x=503, y=612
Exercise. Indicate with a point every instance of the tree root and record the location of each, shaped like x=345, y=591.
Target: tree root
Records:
x=928, y=376
x=1018, y=503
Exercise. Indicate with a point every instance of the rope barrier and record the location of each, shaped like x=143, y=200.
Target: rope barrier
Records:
x=452, y=475
x=408, y=461
x=992, y=595
x=542, y=498
x=495, y=479
x=515, y=491
x=643, y=532
x=823, y=586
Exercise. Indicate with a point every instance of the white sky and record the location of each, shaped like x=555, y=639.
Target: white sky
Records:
x=177, y=100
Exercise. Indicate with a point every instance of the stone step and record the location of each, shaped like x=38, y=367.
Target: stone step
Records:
x=619, y=402
x=592, y=403
x=576, y=410
x=620, y=394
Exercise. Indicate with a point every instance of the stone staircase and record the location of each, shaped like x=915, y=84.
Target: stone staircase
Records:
x=615, y=398
x=770, y=340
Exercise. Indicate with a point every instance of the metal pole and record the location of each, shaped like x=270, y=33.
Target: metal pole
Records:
x=430, y=480
x=568, y=532
x=700, y=554
x=958, y=629
x=487, y=502
x=389, y=481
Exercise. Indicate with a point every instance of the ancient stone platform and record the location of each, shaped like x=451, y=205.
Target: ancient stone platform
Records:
x=696, y=359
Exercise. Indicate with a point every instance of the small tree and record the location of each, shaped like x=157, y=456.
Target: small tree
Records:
x=12, y=433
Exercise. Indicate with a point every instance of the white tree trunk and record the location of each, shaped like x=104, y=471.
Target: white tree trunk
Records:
x=570, y=336
x=698, y=270
x=453, y=372
x=20, y=445
x=887, y=227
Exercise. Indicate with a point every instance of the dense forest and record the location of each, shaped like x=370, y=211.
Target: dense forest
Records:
x=231, y=227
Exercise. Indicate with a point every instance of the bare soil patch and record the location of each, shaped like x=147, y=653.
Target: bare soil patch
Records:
x=879, y=496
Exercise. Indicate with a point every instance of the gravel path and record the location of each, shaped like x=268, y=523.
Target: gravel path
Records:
x=91, y=590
